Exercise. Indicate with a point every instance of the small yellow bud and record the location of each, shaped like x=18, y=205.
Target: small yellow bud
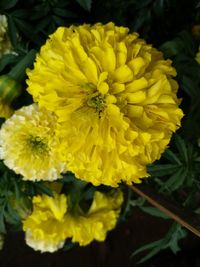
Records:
x=5, y=44
x=9, y=90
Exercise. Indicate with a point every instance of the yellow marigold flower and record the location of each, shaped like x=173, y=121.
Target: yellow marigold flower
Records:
x=101, y=218
x=52, y=221
x=5, y=44
x=28, y=144
x=45, y=228
x=115, y=98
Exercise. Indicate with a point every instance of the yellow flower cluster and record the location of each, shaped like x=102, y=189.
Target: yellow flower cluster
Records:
x=52, y=221
x=5, y=44
x=28, y=144
x=115, y=98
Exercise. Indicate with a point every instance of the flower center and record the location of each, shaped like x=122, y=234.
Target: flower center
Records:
x=96, y=101
x=38, y=145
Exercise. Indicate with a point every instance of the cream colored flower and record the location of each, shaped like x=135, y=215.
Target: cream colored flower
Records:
x=45, y=228
x=28, y=144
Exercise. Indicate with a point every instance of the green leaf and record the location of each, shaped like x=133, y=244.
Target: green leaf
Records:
x=197, y=211
x=64, y=13
x=20, y=13
x=7, y=60
x=171, y=48
x=175, y=234
x=2, y=120
x=7, y=4
x=86, y=4
x=189, y=86
x=68, y=177
x=182, y=148
x=11, y=215
x=162, y=169
x=152, y=253
x=42, y=188
x=147, y=247
x=143, y=19
x=171, y=156
x=16, y=189
x=42, y=24
x=68, y=246
x=171, y=239
x=176, y=180
x=12, y=30
x=19, y=71
x=154, y=212
x=24, y=27
x=183, y=43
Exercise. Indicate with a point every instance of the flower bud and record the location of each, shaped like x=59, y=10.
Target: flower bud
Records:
x=9, y=90
x=5, y=44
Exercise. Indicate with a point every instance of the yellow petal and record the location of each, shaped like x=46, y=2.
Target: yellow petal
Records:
x=135, y=111
x=117, y=88
x=136, y=97
x=136, y=64
x=121, y=54
x=109, y=60
x=136, y=85
x=155, y=89
x=123, y=74
x=90, y=70
x=166, y=99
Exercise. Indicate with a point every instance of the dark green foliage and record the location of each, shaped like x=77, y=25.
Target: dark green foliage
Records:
x=10, y=194
x=170, y=241
x=179, y=168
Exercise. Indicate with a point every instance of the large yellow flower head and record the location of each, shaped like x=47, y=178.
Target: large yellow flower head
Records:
x=115, y=98
x=45, y=228
x=52, y=221
x=28, y=144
